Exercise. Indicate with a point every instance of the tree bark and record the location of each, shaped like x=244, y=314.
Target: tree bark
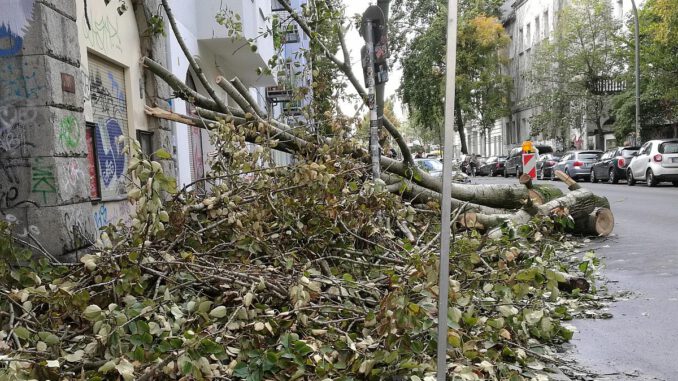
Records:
x=600, y=223
x=459, y=120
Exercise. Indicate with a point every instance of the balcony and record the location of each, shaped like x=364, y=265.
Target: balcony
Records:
x=606, y=86
x=283, y=92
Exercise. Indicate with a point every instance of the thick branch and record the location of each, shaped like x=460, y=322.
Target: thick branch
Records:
x=242, y=89
x=237, y=97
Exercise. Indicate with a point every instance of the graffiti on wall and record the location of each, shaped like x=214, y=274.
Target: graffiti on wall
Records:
x=111, y=213
x=13, y=124
x=110, y=153
x=73, y=180
x=109, y=106
x=21, y=229
x=19, y=80
x=104, y=35
x=79, y=231
x=15, y=19
x=9, y=194
x=70, y=132
x=43, y=179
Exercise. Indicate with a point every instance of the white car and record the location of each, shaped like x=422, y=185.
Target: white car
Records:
x=656, y=161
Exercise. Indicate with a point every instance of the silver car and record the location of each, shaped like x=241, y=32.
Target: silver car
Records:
x=577, y=164
x=435, y=168
x=656, y=161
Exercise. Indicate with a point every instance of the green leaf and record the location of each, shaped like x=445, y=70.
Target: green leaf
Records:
x=162, y=154
x=219, y=312
x=92, y=313
x=125, y=369
x=209, y=347
x=22, y=332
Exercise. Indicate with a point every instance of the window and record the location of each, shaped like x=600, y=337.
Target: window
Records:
x=145, y=139
x=94, y=188
x=291, y=34
x=537, y=31
x=528, y=36
x=668, y=147
x=108, y=95
x=546, y=24
x=522, y=40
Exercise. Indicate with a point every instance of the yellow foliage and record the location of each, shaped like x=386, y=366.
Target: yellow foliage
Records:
x=489, y=31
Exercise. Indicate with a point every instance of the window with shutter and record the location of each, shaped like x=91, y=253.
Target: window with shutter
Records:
x=109, y=108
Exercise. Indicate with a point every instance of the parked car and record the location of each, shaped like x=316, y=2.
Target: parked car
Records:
x=656, y=161
x=434, y=167
x=491, y=165
x=577, y=164
x=498, y=166
x=514, y=162
x=613, y=164
x=545, y=165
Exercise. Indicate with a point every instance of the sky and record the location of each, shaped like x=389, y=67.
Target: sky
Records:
x=355, y=42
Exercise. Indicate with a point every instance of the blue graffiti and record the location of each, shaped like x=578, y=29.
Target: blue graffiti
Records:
x=15, y=18
x=101, y=217
x=10, y=42
x=110, y=154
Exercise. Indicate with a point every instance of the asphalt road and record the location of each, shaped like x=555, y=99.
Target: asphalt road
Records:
x=640, y=342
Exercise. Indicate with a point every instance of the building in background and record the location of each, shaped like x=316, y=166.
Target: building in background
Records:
x=528, y=22
x=219, y=54
x=288, y=99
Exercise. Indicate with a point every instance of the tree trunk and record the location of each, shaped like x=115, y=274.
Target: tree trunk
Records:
x=600, y=223
x=459, y=120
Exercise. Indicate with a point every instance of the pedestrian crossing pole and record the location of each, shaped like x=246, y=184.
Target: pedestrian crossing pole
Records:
x=445, y=232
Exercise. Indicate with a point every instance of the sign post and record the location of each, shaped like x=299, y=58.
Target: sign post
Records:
x=530, y=157
x=446, y=207
x=375, y=71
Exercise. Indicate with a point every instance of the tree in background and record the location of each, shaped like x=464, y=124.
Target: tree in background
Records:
x=567, y=68
x=658, y=66
x=481, y=89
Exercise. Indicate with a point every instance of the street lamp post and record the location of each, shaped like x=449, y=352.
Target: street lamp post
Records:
x=637, y=64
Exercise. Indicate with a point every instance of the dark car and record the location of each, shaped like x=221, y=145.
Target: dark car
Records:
x=493, y=166
x=612, y=165
x=545, y=165
x=514, y=162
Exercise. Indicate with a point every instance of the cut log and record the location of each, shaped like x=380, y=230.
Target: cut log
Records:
x=547, y=192
x=421, y=195
x=573, y=282
x=579, y=204
x=600, y=223
x=539, y=194
x=571, y=183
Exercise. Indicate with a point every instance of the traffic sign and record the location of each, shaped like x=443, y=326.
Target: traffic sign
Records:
x=530, y=164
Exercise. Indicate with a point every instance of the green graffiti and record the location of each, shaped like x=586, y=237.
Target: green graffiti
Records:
x=69, y=132
x=43, y=180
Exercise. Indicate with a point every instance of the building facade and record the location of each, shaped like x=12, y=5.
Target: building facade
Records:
x=70, y=86
x=219, y=54
x=528, y=23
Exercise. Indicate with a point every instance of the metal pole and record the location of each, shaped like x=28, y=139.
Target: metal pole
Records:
x=444, y=271
x=372, y=102
x=637, y=40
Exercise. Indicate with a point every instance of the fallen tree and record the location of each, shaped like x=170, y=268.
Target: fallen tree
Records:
x=261, y=128
x=300, y=272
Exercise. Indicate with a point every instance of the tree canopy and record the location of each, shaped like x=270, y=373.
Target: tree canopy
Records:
x=481, y=89
x=567, y=68
x=658, y=21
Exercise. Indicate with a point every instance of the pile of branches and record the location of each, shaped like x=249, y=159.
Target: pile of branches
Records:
x=281, y=273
